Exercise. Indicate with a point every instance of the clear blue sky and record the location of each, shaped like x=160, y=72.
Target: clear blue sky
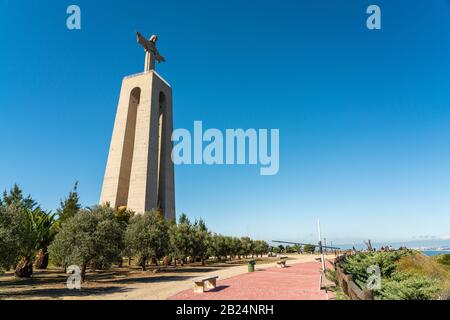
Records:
x=364, y=116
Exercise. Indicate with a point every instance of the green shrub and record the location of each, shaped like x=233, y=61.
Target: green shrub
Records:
x=443, y=259
x=395, y=285
x=403, y=286
x=357, y=265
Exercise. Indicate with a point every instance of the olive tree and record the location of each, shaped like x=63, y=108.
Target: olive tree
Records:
x=309, y=248
x=235, y=247
x=219, y=246
x=200, y=240
x=260, y=247
x=275, y=250
x=181, y=236
x=247, y=246
x=12, y=231
x=90, y=238
x=147, y=237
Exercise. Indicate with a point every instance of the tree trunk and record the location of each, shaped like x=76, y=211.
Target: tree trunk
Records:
x=41, y=261
x=129, y=261
x=83, y=272
x=120, y=262
x=24, y=268
x=144, y=264
x=203, y=261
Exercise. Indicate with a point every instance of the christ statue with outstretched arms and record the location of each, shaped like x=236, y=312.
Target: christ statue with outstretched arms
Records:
x=152, y=53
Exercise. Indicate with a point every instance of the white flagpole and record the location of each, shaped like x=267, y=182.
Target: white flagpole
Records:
x=320, y=243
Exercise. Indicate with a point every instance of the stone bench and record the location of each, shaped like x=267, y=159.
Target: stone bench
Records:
x=199, y=283
x=281, y=263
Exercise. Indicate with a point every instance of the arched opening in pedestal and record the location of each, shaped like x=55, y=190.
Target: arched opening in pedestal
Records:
x=128, y=148
x=161, y=151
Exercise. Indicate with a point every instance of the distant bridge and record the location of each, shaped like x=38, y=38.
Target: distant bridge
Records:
x=307, y=244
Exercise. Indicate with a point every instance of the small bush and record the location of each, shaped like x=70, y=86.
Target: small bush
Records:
x=404, y=286
x=443, y=259
x=405, y=275
x=357, y=265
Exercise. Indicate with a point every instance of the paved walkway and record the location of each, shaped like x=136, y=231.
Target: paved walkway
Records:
x=296, y=282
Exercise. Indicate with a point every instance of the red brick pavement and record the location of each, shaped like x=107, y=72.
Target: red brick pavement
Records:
x=295, y=282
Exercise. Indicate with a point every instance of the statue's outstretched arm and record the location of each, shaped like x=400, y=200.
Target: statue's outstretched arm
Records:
x=159, y=57
x=141, y=40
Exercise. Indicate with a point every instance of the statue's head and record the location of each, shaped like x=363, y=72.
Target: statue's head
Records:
x=154, y=38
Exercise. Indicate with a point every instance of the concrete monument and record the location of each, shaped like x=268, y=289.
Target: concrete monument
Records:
x=139, y=172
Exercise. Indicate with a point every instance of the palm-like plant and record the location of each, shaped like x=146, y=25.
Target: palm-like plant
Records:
x=40, y=227
x=45, y=228
x=24, y=268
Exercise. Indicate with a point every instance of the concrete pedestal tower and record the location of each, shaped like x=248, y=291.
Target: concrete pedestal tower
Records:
x=139, y=172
